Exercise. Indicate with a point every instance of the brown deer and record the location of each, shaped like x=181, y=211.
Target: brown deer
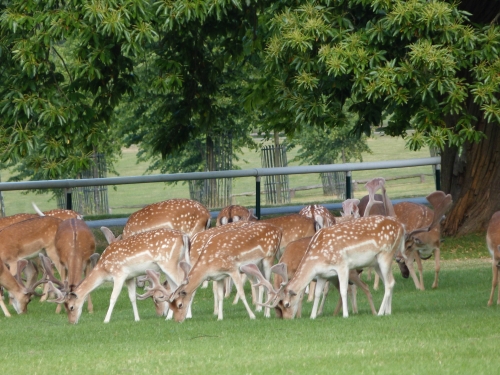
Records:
x=19, y=295
x=493, y=242
x=222, y=256
x=75, y=246
x=27, y=238
x=159, y=249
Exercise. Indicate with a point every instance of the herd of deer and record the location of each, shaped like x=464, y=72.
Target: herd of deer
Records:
x=174, y=239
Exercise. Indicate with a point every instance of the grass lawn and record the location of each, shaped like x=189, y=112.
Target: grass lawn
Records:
x=448, y=330
x=124, y=199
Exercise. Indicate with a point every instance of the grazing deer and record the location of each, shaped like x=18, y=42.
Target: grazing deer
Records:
x=493, y=242
x=19, y=295
x=159, y=249
x=75, y=246
x=425, y=241
x=27, y=238
x=334, y=251
x=292, y=257
x=233, y=214
x=222, y=256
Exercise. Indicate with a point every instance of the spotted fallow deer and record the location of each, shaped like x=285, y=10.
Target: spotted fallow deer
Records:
x=75, y=246
x=493, y=242
x=233, y=214
x=222, y=256
x=334, y=251
x=158, y=291
x=19, y=295
x=292, y=256
x=159, y=249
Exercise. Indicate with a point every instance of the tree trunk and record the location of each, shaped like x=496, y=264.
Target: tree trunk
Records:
x=471, y=175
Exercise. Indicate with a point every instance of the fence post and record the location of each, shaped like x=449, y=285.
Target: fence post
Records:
x=257, y=197
x=69, y=201
x=348, y=184
x=438, y=176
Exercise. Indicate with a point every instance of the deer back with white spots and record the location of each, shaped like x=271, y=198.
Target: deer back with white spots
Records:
x=185, y=215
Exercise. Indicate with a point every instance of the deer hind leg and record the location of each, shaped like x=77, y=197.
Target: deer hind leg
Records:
x=320, y=283
x=384, y=270
x=494, y=282
x=354, y=300
x=117, y=287
x=312, y=289
x=236, y=276
x=360, y=284
x=343, y=275
x=376, y=281
x=219, y=285
x=326, y=289
x=437, y=257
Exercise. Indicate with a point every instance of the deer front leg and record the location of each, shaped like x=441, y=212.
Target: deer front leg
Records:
x=343, y=275
x=437, y=256
x=385, y=272
x=418, y=260
x=409, y=263
x=117, y=288
x=132, y=296
x=320, y=284
x=236, y=276
x=326, y=289
x=2, y=304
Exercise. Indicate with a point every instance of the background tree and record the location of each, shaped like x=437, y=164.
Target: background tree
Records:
x=423, y=65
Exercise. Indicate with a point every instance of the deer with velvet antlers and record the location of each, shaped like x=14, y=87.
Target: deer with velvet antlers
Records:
x=160, y=249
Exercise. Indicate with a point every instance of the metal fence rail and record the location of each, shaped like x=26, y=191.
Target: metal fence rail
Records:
x=257, y=173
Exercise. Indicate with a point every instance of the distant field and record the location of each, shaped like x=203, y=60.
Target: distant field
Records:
x=123, y=199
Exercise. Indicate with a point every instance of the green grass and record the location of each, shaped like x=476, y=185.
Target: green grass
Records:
x=125, y=199
x=448, y=330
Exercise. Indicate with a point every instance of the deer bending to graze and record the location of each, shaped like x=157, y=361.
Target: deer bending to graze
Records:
x=19, y=295
x=493, y=243
x=419, y=220
x=160, y=249
x=233, y=214
x=75, y=246
x=291, y=259
x=222, y=256
x=27, y=238
x=334, y=251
